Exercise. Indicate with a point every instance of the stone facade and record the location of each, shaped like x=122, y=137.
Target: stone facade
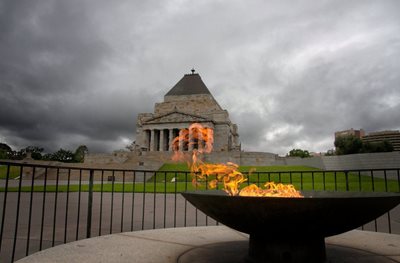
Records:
x=188, y=102
x=357, y=133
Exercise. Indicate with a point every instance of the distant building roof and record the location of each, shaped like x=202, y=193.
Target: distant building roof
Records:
x=190, y=84
x=357, y=133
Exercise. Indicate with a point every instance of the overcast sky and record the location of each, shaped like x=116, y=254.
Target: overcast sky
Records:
x=290, y=73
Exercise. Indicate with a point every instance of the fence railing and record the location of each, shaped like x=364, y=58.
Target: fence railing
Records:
x=43, y=206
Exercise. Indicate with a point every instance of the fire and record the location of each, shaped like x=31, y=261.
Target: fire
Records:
x=200, y=139
x=227, y=173
x=271, y=190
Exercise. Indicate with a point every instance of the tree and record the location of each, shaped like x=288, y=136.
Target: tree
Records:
x=299, y=153
x=63, y=156
x=5, y=147
x=36, y=152
x=5, y=151
x=330, y=152
x=47, y=156
x=348, y=144
x=79, y=154
x=373, y=147
x=3, y=154
x=387, y=146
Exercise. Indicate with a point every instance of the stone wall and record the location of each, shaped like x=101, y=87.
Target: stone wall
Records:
x=341, y=162
x=257, y=158
x=106, y=158
x=129, y=160
x=221, y=137
x=199, y=104
x=154, y=160
x=347, y=162
x=316, y=162
x=362, y=161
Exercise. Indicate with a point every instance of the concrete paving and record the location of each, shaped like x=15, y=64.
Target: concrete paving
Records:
x=53, y=223
x=208, y=244
x=62, y=222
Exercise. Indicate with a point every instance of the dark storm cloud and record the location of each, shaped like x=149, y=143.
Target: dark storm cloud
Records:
x=290, y=73
x=50, y=96
x=325, y=74
x=48, y=48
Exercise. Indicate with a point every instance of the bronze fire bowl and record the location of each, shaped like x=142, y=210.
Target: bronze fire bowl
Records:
x=293, y=229
x=321, y=213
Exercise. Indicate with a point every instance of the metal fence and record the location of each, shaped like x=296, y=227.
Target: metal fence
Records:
x=43, y=206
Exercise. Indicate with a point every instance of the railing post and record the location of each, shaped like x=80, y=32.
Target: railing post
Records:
x=90, y=205
x=346, y=174
x=3, y=216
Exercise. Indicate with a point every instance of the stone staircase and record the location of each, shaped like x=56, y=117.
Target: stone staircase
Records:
x=148, y=160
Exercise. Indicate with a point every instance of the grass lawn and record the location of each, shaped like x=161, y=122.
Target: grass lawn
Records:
x=328, y=181
x=14, y=171
x=181, y=171
x=300, y=176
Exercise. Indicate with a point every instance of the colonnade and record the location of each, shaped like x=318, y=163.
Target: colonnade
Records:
x=161, y=140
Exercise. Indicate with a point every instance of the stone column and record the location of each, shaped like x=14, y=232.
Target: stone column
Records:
x=200, y=143
x=161, y=141
x=190, y=143
x=171, y=138
x=210, y=134
x=146, y=139
x=152, y=140
x=180, y=140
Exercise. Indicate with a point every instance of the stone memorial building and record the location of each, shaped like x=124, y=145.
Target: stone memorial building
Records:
x=189, y=101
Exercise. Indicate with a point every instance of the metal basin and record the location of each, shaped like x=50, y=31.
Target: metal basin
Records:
x=292, y=229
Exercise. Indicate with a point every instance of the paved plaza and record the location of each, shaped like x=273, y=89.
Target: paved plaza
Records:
x=217, y=244
x=66, y=220
x=115, y=215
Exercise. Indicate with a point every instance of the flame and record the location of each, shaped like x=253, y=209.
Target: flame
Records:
x=201, y=140
x=196, y=136
x=271, y=190
x=227, y=173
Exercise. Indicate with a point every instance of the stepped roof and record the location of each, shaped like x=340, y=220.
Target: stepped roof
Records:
x=190, y=84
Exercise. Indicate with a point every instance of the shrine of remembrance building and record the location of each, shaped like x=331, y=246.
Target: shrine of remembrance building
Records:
x=188, y=102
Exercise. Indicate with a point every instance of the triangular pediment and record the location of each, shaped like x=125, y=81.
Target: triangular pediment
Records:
x=174, y=117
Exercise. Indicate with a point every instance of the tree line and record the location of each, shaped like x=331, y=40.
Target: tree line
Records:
x=36, y=153
x=351, y=144
x=348, y=144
